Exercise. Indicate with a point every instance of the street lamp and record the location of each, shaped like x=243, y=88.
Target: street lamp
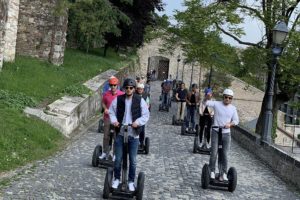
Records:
x=184, y=62
x=280, y=32
x=178, y=60
x=191, y=82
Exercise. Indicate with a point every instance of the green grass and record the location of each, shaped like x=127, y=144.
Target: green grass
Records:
x=28, y=82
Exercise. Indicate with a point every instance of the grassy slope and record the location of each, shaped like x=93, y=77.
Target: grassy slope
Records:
x=23, y=139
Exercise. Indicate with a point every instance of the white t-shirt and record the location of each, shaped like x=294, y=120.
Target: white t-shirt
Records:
x=223, y=114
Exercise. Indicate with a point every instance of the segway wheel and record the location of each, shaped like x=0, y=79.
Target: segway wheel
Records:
x=205, y=176
x=197, y=130
x=232, y=179
x=195, y=145
x=159, y=109
x=160, y=98
x=140, y=186
x=183, y=129
x=100, y=126
x=147, y=145
x=107, y=183
x=96, y=154
x=173, y=120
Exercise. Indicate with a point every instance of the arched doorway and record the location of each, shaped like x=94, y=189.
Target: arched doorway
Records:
x=161, y=66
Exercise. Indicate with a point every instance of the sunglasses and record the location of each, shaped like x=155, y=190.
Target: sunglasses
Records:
x=112, y=85
x=228, y=97
x=131, y=88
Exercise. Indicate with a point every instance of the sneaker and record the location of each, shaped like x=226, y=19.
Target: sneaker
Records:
x=103, y=155
x=212, y=175
x=225, y=177
x=114, y=158
x=131, y=187
x=186, y=129
x=115, y=184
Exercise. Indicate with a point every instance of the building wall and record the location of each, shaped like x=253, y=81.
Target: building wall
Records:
x=152, y=50
x=41, y=33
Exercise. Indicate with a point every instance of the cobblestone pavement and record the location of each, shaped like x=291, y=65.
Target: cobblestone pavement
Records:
x=172, y=171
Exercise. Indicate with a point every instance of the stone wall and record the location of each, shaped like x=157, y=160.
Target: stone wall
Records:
x=287, y=167
x=67, y=113
x=41, y=33
x=11, y=28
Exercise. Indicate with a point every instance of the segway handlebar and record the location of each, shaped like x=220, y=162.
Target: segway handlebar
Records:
x=218, y=127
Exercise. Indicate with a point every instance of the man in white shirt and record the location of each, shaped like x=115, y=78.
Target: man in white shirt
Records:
x=225, y=116
x=126, y=109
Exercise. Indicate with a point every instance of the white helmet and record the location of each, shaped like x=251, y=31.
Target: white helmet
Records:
x=228, y=92
x=140, y=85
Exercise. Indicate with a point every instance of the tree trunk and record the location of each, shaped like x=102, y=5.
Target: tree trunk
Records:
x=105, y=49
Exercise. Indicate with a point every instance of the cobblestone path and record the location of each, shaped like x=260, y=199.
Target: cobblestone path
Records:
x=172, y=170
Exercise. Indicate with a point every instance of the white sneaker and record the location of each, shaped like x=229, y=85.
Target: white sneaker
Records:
x=114, y=158
x=186, y=129
x=103, y=155
x=115, y=184
x=212, y=175
x=225, y=177
x=131, y=187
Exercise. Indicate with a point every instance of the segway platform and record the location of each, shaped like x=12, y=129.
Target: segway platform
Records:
x=145, y=148
x=177, y=122
x=163, y=108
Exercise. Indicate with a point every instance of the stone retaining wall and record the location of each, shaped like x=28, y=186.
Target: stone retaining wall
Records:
x=283, y=164
x=41, y=33
x=67, y=113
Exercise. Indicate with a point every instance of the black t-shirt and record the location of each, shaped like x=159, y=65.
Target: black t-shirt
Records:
x=182, y=94
x=193, y=99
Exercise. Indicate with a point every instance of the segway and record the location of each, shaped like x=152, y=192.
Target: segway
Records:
x=101, y=126
x=206, y=181
x=190, y=130
x=178, y=122
x=201, y=149
x=122, y=191
x=164, y=107
x=103, y=163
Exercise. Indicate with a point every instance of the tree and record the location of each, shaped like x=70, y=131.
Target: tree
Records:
x=90, y=20
x=226, y=16
x=141, y=13
x=3, y=19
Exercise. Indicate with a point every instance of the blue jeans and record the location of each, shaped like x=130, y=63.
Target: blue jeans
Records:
x=165, y=99
x=132, y=151
x=190, y=116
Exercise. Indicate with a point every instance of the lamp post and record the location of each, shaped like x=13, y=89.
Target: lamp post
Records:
x=209, y=78
x=191, y=82
x=184, y=62
x=280, y=31
x=178, y=61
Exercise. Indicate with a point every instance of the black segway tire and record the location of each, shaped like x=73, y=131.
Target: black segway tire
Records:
x=183, y=129
x=107, y=183
x=195, y=145
x=232, y=179
x=147, y=145
x=205, y=176
x=97, y=152
x=140, y=186
x=101, y=126
x=173, y=120
x=197, y=130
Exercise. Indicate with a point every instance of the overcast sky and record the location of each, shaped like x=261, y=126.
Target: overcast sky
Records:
x=254, y=31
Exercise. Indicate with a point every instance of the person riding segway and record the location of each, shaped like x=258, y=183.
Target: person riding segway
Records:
x=181, y=94
x=225, y=117
x=127, y=113
x=166, y=101
x=144, y=142
x=192, y=100
x=100, y=155
x=206, y=117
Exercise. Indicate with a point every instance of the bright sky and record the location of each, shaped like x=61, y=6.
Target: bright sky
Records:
x=254, y=31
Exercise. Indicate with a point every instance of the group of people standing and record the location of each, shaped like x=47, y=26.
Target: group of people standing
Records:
x=128, y=106
x=218, y=113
